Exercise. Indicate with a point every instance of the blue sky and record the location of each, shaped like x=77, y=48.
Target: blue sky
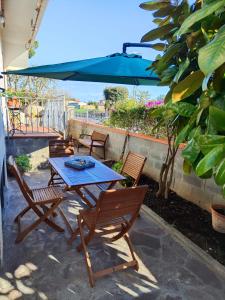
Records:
x=73, y=30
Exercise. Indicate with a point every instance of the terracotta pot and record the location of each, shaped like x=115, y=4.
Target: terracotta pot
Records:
x=10, y=102
x=218, y=219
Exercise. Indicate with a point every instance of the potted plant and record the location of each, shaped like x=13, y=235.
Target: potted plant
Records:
x=10, y=102
x=218, y=217
x=23, y=163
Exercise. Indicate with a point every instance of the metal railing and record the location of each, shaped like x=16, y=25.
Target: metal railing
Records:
x=27, y=115
x=92, y=116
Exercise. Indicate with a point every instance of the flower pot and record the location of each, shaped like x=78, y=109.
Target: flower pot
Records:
x=10, y=102
x=218, y=217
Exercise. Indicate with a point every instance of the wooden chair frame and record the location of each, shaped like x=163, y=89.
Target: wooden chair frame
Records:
x=110, y=216
x=43, y=202
x=98, y=137
x=59, y=148
x=132, y=166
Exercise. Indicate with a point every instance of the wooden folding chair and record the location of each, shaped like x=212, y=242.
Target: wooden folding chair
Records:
x=59, y=148
x=95, y=140
x=43, y=202
x=132, y=167
x=115, y=212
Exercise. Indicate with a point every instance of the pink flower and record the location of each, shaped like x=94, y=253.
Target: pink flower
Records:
x=154, y=103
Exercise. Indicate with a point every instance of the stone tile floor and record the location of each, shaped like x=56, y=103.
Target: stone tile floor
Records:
x=57, y=271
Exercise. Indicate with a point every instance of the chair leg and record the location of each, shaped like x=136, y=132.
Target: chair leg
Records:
x=50, y=182
x=21, y=214
x=74, y=234
x=86, y=254
x=87, y=240
x=90, y=151
x=104, y=152
x=42, y=217
x=127, y=239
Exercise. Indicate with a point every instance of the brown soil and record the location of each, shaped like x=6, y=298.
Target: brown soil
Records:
x=188, y=218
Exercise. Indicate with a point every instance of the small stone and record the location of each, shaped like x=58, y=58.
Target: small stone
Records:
x=42, y=296
x=23, y=288
x=9, y=275
x=22, y=271
x=31, y=266
x=15, y=294
x=5, y=286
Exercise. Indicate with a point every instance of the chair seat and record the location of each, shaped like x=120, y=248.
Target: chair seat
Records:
x=87, y=143
x=47, y=194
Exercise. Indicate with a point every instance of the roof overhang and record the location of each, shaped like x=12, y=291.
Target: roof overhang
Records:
x=22, y=20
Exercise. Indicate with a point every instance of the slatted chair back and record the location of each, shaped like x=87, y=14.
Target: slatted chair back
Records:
x=27, y=193
x=133, y=166
x=60, y=148
x=100, y=137
x=116, y=204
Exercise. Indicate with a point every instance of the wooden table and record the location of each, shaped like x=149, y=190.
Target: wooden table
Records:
x=77, y=179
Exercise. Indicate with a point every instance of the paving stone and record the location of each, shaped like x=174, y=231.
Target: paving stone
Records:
x=203, y=272
x=22, y=271
x=15, y=294
x=141, y=239
x=5, y=286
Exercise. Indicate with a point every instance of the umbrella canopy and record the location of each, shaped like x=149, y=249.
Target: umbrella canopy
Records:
x=116, y=68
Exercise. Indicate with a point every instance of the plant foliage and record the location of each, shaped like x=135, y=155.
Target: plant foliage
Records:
x=192, y=64
x=23, y=162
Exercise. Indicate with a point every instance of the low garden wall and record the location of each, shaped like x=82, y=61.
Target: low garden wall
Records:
x=200, y=192
x=36, y=147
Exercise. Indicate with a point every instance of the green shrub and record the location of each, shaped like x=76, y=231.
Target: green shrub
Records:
x=23, y=162
x=134, y=116
x=117, y=167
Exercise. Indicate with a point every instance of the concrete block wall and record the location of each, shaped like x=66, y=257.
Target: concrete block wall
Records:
x=190, y=187
x=35, y=147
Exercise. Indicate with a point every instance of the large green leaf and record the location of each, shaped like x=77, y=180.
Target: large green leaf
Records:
x=208, y=142
x=165, y=11
x=191, y=151
x=170, y=52
x=182, y=135
x=210, y=160
x=212, y=56
x=182, y=68
x=186, y=167
x=219, y=78
x=157, y=33
x=200, y=14
x=217, y=118
x=220, y=173
x=153, y=5
x=185, y=109
x=158, y=46
x=188, y=86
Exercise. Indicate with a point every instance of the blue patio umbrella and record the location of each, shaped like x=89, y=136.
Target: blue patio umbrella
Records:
x=119, y=68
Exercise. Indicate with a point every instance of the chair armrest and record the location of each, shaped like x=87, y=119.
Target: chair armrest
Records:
x=98, y=141
x=84, y=134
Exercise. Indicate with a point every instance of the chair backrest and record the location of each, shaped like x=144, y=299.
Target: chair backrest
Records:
x=98, y=136
x=59, y=148
x=133, y=166
x=114, y=204
x=27, y=193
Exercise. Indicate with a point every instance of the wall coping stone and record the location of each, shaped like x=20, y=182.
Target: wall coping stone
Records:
x=125, y=132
